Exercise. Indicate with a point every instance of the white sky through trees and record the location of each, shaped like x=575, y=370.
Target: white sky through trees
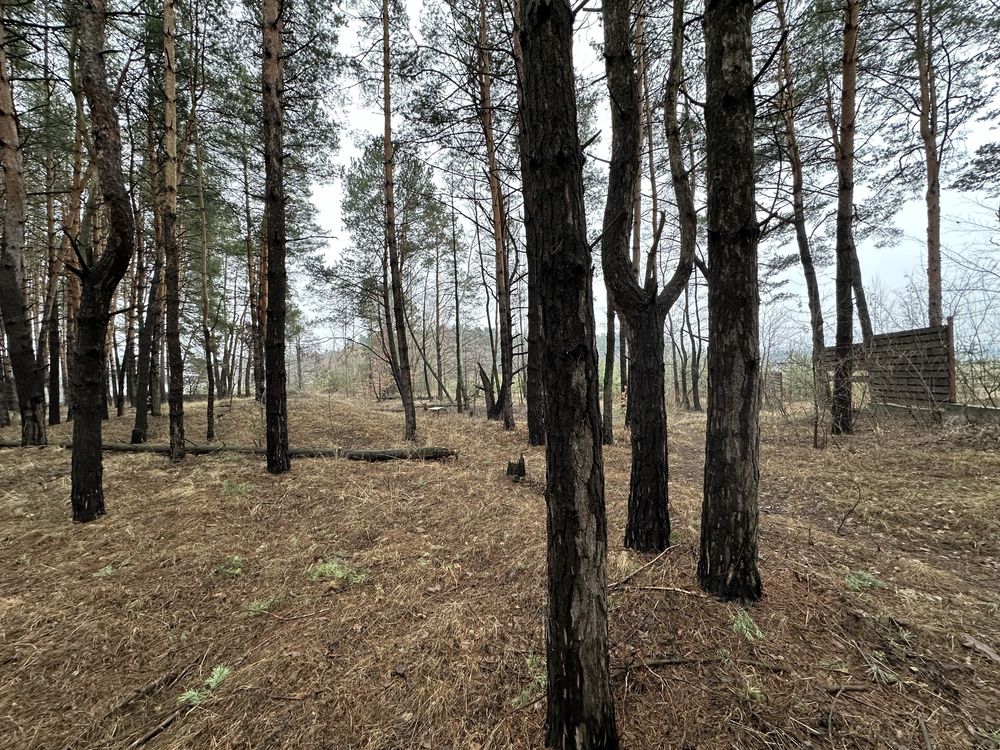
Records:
x=969, y=220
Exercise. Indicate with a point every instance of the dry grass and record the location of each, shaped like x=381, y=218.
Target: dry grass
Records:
x=425, y=629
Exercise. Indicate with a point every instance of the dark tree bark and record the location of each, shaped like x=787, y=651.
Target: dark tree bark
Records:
x=727, y=566
x=641, y=309
x=534, y=379
x=99, y=278
x=275, y=397
x=842, y=407
x=171, y=247
x=580, y=713
x=28, y=376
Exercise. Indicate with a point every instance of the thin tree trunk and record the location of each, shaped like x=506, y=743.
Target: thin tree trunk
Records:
x=13, y=298
x=607, y=414
x=404, y=381
x=504, y=403
x=580, y=712
x=461, y=397
x=801, y=233
x=172, y=251
x=727, y=566
x=842, y=403
x=206, y=325
x=275, y=396
x=932, y=160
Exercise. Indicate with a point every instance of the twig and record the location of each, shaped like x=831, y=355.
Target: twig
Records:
x=636, y=572
x=157, y=729
x=678, y=661
x=848, y=513
x=923, y=731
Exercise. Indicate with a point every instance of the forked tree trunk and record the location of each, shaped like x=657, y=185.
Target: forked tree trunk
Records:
x=171, y=247
x=13, y=293
x=727, y=566
x=275, y=397
x=99, y=279
x=580, y=713
x=641, y=309
x=404, y=381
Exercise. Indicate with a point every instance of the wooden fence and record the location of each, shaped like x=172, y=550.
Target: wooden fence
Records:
x=915, y=367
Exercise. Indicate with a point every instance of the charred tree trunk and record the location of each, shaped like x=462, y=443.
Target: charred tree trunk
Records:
x=727, y=566
x=648, y=524
x=534, y=380
x=640, y=308
x=275, y=396
x=99, y=279
x=580, y=712
x=13, y=294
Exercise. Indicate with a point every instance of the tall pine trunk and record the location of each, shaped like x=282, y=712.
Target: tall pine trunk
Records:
x=404, y=380
x=580, y=713
x=727, y=566
x=275, y=396
x=842, y=407
x=13, y=292
x=171, y=247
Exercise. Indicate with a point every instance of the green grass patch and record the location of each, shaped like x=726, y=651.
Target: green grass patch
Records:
x=195, y=697
x=231, y=568
x=337, y=570
x=236, y=489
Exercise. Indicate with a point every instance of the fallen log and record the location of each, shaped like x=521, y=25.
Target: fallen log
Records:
x=350, y=454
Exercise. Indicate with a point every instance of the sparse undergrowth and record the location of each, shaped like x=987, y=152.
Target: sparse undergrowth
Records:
x=403, y=605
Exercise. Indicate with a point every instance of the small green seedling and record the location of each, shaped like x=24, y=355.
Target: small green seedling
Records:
x=260, y=606
x=861, y=580
x=194, y=697
x=536, y=667
x=231, y=568
x=106, y=572
x=743, y=625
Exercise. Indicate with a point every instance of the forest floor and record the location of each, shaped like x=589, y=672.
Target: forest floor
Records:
x=401, y=605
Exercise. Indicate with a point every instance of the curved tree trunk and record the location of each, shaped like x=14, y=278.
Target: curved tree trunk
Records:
x=100, y=279
x=727, y=566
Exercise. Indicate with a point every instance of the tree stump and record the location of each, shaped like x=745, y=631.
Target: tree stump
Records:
x=516, y=469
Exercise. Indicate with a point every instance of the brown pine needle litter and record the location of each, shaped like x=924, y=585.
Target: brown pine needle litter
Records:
x=401, y=605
